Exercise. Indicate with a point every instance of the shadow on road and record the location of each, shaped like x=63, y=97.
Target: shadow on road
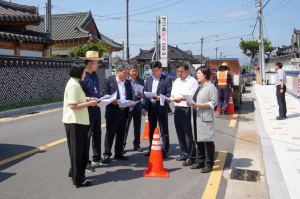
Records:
x=11, y=150
x=119, y=175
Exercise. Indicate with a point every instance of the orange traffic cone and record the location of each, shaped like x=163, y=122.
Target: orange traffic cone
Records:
x=146, y=130
x=230, y=109
x=217, y=111
x=156, y=166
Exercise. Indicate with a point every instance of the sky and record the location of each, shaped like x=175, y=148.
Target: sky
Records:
x=189, y=20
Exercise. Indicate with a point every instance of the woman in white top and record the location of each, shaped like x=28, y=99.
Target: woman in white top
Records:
x=206, y=98
x=75, y=117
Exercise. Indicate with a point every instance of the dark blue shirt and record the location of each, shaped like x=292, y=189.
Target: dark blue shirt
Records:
x=89, y=83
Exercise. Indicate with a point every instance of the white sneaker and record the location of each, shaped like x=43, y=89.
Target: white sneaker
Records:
x=95, y=163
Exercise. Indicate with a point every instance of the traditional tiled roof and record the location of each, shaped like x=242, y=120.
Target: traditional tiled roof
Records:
x=11, y=12
x=72, y=26
x=173, y=54
x=25, y=37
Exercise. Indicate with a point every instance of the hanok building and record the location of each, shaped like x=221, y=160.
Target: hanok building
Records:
x=289, y=56
x=175, y=55
x=14, y=38
x=70, y=30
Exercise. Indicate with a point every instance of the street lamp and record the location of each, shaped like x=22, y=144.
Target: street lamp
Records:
x=217, y=51
x=202, y=45
x=227, y=55
x=223, y=52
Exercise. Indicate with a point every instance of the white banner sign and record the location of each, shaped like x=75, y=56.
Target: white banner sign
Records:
x=164, y=40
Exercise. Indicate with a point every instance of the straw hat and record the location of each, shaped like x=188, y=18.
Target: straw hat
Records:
x=91, y=55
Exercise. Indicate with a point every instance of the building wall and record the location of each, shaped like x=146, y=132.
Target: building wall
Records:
x=292, y=80
x=31, y=79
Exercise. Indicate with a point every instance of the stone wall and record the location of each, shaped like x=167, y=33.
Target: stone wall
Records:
x=34, y=79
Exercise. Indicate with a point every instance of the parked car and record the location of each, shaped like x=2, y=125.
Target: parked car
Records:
x=252, y=76
x=246, y=79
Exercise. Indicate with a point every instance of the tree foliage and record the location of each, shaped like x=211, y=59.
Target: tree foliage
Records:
x=80, y=50
x=54, y=55
x=251, y=48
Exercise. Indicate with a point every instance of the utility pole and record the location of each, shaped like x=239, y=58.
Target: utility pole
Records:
x=127, y=57
x=201, y=50
x=48, y=22
x=157, y=38
x=220, y=55
x=217, y=51
x=123, y=50
x=261, y=44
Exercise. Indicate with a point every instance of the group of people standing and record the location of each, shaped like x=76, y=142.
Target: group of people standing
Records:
x=82, y=116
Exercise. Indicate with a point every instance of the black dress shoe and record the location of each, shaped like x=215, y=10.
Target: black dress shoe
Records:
x=225, y=112
x=197, y=165
x=121, y=157
x=181, y=158
x=206, y=169
x=84, y=184
x=220, y=112
x=280, y=118
x=106, y=161
x=188, y=162
x=123, y=152
x=147, y=154
x=138, y=148
x=164, y=155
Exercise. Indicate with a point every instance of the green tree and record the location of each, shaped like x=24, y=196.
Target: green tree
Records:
x=54, y=55
x=80, y=50
x=251, y=48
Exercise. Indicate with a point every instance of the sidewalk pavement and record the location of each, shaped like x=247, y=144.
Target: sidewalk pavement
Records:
x=280, y=142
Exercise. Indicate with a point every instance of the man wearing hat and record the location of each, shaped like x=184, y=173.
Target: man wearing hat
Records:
x=224, y=81
x=90, y=85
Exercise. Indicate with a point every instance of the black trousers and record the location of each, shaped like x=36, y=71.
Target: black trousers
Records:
x=78, y=144
x=281, y=100
x=182, y=121
x=154, y=117
x=137, y=118
x=114, y=128
x=206, y=150
x=94, y=129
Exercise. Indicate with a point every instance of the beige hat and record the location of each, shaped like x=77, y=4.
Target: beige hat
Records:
x=91, y=55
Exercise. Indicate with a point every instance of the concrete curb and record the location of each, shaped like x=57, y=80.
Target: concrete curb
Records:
x=28, y=109
x=274, y=176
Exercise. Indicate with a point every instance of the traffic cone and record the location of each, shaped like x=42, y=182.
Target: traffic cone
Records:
x=156, y=166
x=217, y=111
x=230, y=109
x=146, y=130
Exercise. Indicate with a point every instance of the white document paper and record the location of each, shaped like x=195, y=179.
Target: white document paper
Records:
x=140, y=89
x=163, y=98
x=106, y=101
x=189, y=99
x=109, y=96
x=126, y=103
x=150, y=94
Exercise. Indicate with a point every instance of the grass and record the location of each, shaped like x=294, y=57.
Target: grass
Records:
x=30, y=104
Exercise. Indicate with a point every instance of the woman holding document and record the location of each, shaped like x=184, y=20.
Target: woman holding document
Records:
x=205, y=97
x=75, y=117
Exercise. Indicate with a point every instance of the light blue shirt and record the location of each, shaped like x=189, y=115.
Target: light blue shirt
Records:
x=280, y=75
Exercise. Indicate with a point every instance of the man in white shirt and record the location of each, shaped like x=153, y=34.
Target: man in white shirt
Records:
x=184, y=85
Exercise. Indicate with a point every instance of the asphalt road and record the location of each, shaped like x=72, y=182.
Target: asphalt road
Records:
x=44, y=173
